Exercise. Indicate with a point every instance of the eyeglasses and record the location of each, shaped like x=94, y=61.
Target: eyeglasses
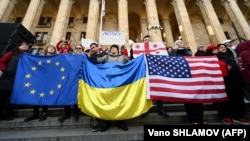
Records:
x=78, y=48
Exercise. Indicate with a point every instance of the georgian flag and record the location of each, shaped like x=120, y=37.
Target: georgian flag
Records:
x=155, y=48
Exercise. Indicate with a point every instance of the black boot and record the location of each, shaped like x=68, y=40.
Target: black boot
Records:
x=105, y=125
x=35, y=114
x=76, y=113
x=43, y=116
x=122, y=125
x=67, y=113
x=95, y=124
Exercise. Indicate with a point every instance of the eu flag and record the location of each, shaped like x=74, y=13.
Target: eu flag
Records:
x=47, y=80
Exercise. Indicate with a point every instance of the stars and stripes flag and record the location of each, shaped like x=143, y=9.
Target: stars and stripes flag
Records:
x=156, y=48
x=185, y=79
x=103, y=7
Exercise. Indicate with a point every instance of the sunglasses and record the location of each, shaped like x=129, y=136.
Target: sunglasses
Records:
x=78, y=48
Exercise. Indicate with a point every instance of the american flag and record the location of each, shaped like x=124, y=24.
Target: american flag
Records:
x=156, y=48
x=185, y=79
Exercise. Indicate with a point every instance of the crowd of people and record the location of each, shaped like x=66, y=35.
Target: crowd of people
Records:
x=234, y=64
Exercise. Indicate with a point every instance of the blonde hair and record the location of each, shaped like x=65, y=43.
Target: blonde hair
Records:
x=45, y=49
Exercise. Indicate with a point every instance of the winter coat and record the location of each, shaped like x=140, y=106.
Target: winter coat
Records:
x=8, y=77
x=243, y=52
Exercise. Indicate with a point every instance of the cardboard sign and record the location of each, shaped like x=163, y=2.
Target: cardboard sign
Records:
x=87, y=42
x=112, y=37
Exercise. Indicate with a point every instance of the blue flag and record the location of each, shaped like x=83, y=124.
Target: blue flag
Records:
x=47, y=80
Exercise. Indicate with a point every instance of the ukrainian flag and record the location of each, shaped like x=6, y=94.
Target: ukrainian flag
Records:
x=113, y=91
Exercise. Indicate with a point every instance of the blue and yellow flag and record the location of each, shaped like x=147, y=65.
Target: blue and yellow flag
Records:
x=113, y=91
x=47, y=80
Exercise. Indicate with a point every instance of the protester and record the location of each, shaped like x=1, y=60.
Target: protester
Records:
x=234, y=110
x=114, y=56
x=200, y=51
x=8, y=65
x=48, y=50
x=243, y=52
x=63, y=46
x=159, y=103
x=194, y=110
x=95, y=53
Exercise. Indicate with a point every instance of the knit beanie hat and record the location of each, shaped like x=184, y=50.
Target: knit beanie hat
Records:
x=177, y=42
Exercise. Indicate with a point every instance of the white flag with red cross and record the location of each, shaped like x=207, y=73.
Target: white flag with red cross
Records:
x=155, y=48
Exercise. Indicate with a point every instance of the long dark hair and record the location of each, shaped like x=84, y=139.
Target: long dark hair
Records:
x=16, y=49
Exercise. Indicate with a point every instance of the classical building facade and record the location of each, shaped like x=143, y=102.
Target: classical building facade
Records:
x=194, y=21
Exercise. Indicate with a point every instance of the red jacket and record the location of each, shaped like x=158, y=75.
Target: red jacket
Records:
x=63, y=50
x=223, y=68
x=4, y=60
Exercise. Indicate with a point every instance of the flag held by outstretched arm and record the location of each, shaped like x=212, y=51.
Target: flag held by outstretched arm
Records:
x=185, y=79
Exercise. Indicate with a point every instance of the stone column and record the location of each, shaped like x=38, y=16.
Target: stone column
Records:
x=61, y=23
x=123, y=19
x=184, y=23
x=6, y=7
x=144, y=30
x=236, y=16
x=152, y=16
x=213, y=25
x=92, y=25
x=33, y=13
x=168, y=32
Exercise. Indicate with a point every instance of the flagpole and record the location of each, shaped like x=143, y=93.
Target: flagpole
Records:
x=100, y=34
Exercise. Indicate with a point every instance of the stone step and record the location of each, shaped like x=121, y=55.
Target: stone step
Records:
x=134, y=133
x=85, y=121
x=70, y=130
x=24, y=111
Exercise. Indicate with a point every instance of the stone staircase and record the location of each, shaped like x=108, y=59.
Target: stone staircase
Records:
x=70, y=130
